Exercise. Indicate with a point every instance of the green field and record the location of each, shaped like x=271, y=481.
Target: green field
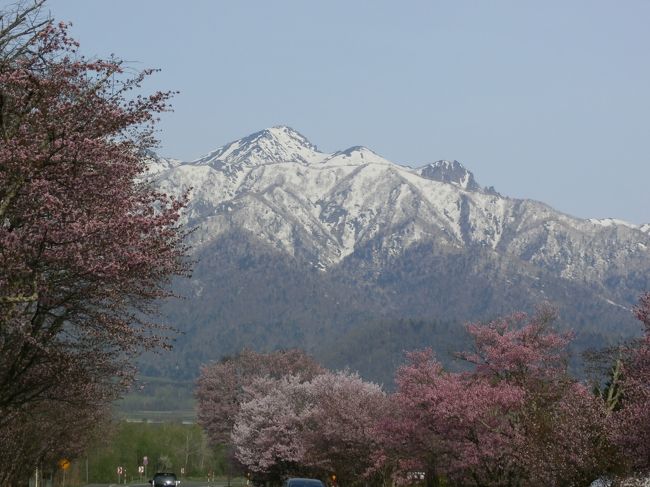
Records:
x=155, y=400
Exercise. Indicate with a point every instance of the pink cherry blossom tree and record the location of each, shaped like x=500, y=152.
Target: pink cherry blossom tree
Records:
x=268, y=431
x=325, y=426
x=558, y=414
x=340, y=429
x=631, y=418
x=87, y=245
x=221, y=387
x=450, y=425
x=516, y=418
x=42, y=434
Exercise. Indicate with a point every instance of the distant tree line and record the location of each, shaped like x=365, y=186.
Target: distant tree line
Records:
x=514, y=417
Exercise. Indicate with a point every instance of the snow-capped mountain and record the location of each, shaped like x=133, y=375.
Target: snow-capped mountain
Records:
x=296, y=246
x=322, y=207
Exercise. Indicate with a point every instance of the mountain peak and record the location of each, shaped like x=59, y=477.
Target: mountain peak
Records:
x=452, y=172
x=276, y=144
x=285, y=135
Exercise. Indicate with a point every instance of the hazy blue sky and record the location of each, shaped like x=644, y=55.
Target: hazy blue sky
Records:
x=548, y=100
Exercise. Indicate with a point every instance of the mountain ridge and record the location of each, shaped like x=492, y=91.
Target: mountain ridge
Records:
x=333, y=195
x=296, y=225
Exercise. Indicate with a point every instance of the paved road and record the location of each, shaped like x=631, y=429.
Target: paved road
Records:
x=184, y=483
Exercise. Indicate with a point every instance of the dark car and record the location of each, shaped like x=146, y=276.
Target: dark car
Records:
x=297, y=482
x=164, y=479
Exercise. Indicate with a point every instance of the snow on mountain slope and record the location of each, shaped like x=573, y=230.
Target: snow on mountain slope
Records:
x=613, y=222
x=322, y=207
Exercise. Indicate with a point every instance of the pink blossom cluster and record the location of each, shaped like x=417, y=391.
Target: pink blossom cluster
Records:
x=284, y=414
x=631, y=418
x=87, y=247
x=515, y=417
x=325, y=425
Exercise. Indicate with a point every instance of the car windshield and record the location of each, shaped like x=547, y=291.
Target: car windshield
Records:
x=164, y=478
x=304, y=483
